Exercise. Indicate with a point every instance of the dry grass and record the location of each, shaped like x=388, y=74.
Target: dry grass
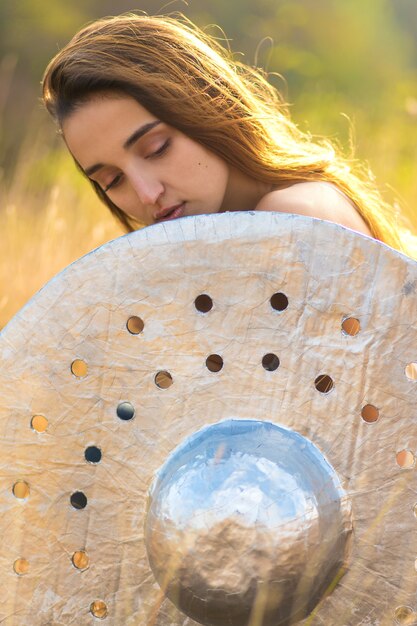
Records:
x=49, y=217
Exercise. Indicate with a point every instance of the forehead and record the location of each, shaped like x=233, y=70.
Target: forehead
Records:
x=102, y=123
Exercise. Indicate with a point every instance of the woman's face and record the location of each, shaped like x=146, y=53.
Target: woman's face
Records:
x=150, y=170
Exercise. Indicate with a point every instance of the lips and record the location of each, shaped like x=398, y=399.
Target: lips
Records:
x=170, y=213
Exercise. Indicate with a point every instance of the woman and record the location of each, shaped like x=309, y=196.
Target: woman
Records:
x=165, y=124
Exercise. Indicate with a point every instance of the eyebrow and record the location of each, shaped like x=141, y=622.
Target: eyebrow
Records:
x=137, y=134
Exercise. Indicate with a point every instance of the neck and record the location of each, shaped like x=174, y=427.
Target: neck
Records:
x=243, y=193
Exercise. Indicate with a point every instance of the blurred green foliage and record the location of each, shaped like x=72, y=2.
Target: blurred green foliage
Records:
x=348, y=67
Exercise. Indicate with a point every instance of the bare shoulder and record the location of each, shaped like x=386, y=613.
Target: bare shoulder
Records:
x=315, y=199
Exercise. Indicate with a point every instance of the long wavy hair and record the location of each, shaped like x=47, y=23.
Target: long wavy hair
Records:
x=188, y=80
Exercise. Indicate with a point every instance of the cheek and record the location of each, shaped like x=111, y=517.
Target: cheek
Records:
x=218, y=174
x=213, y=169
x=131, y=205
x=199, y=169
x=197, y=159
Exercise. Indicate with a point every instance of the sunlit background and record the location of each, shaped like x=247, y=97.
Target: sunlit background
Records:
x=348, y=68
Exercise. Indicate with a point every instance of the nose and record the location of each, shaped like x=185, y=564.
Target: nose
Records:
x=147, y=189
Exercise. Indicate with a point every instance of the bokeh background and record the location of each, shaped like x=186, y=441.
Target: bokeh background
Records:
x=347, y=67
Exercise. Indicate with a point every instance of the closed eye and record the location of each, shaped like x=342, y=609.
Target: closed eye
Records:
x=116, y=180
x=157, y=153
x=160, y=150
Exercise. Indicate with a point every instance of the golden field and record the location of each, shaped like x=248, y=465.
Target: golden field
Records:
x=49, y=217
